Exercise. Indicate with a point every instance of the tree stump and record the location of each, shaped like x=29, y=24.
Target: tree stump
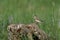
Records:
x=16, y=31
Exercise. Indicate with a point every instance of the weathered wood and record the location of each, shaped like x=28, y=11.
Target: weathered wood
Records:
x=15, y=31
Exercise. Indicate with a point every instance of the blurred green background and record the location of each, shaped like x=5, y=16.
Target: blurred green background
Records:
x=21, y=11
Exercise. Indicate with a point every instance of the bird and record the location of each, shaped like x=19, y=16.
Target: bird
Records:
x=37, y=20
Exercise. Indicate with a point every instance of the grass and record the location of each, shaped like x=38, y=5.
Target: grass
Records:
x=21, y=11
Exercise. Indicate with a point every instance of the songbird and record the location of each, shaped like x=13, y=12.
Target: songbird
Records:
x=37, y=20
